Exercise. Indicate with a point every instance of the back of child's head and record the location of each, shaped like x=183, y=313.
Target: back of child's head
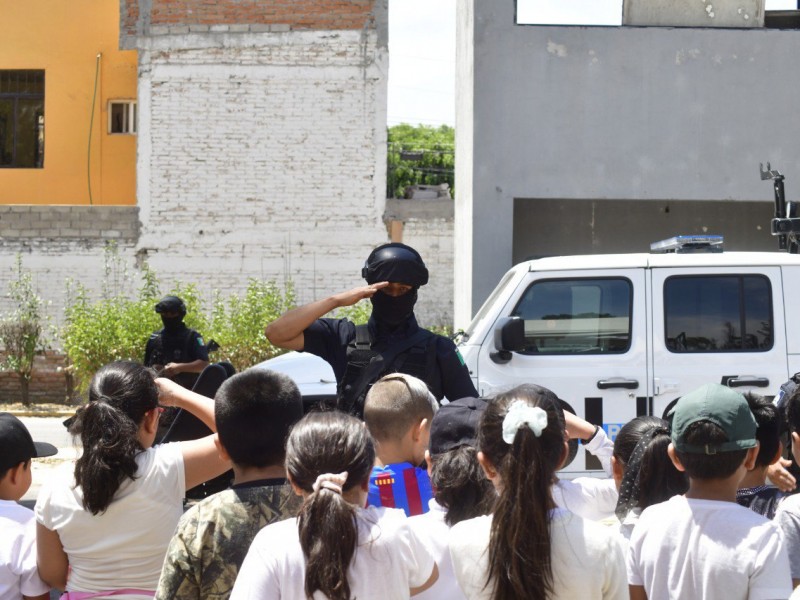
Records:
x=394, y=404
x=458, y=482
x=523, y=437
x=254, y=412
x=793, y=411
x=649, y=476
x=712, y=430
x=328, y=453
x=120, y=394
x=768, y=432
x=17, y=445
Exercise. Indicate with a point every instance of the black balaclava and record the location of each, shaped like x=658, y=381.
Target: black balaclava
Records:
x=393, y=310
x=171, y=305
x=172, y=324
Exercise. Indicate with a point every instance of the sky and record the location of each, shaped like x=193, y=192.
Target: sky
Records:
x=422, y=42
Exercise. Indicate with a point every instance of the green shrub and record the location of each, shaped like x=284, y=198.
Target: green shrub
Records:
x=112, y=328
x=237, y=324
x=21, y=331
x=117, y=327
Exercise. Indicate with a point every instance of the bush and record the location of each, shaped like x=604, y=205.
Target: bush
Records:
x=21, y=332
x=238, y=324
x=117, y=327
x=112, y=328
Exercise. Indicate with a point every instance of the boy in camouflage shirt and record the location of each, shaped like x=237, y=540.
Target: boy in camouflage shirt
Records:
x=254, y=411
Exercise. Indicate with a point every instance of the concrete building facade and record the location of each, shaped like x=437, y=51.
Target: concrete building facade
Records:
x=574, y=140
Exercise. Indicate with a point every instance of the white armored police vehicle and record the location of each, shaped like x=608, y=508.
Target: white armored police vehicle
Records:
x=617, y=336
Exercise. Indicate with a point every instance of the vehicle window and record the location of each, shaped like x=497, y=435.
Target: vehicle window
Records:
x=489, y=304
x=723, y=313
x=577, y=316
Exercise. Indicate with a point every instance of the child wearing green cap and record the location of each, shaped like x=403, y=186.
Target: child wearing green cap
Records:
x=703, y=544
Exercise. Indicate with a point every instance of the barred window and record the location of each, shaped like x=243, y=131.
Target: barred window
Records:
x=21, y=119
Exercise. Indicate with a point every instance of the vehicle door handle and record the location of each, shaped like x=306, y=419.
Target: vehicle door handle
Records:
x=743, y=381
x=626, y=384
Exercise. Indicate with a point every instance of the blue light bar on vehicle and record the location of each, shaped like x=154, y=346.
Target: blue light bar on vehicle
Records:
x=684, y=244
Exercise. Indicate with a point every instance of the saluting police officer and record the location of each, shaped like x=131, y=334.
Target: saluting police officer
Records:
x=390, y=342
x=176, y=351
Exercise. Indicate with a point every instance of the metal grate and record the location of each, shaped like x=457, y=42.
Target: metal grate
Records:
x=20, y=82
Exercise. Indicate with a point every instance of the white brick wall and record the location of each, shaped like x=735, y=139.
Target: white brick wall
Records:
x=264, y=157
x=433, y=239
x=51, y=262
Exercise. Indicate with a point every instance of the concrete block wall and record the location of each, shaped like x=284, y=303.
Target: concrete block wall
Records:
x=56, y=223
x=60, y=243
x=427, y=226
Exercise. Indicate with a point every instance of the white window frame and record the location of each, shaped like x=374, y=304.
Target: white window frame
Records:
x=130, y=119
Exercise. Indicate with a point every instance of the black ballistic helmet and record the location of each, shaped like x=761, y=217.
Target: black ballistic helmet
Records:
x=171, y=304
x=397, y=263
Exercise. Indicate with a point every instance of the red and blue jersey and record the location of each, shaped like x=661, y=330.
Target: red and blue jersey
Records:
x=400, y=485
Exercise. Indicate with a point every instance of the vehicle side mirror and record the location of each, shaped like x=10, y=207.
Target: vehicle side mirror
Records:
x=509, y=336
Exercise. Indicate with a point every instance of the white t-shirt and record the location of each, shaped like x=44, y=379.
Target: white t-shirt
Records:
x=627, y=525
x=123, y=547
x=787, y=518
x=590, y=497
x=432, y=529
x=586, y=558
x=689, y=548
x=18, y=574
x=389, y=560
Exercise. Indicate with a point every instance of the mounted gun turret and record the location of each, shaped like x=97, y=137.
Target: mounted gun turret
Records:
x=785, y=224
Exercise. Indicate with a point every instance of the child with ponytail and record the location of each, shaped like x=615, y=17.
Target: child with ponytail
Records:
x=642, y=469
x=529, y=548
x=335, y=548
x=103, y=525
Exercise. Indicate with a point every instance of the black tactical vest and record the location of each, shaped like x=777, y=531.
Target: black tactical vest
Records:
x=418, y=360
x=173, y=347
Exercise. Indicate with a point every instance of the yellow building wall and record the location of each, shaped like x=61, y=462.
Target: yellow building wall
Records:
x=63, y=37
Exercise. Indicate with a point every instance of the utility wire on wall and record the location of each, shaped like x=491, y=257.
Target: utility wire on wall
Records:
x=91, y=126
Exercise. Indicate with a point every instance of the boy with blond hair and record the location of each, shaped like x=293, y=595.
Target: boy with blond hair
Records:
x=398, y=410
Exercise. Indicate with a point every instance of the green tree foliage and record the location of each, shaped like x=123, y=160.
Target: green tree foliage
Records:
x=419, y=155
x=237, y=324
x=114, y=327
x=21, y=332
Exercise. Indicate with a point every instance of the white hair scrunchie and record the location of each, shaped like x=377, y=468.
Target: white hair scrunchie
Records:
x=330, y=481
x=519, y=414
